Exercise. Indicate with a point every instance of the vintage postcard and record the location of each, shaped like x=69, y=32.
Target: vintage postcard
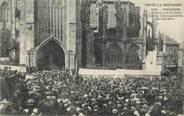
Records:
x=92, y=57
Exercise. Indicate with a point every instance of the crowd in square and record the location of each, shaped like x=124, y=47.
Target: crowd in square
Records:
x=58, y=93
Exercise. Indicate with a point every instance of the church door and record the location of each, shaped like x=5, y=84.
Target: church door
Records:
x=50, y=56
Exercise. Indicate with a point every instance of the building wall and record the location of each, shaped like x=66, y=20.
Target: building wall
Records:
x=21, y=28
x=72, y=12
x=113, y=23
x=26, y=28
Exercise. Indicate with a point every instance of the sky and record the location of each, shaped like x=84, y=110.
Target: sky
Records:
x=173, y=28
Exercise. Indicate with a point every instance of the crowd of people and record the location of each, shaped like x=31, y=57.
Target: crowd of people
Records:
x=58, y=93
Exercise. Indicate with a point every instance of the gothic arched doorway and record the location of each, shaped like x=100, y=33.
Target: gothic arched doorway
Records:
x=114, y=56
x=50, y=55
x=133, y=61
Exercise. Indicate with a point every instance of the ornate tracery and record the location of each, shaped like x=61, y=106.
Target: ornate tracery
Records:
x=48, y=19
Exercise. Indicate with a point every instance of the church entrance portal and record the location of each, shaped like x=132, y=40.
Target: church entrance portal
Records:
x=50, y=55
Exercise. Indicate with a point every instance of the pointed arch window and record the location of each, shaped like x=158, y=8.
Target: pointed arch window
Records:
x=5, y=12
x=132, y=55
x=49, y=18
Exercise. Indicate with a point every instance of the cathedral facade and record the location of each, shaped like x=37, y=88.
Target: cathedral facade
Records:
x=57, y=34
x=112, y=35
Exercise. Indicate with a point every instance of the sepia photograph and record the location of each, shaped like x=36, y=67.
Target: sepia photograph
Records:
x=91, y=57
